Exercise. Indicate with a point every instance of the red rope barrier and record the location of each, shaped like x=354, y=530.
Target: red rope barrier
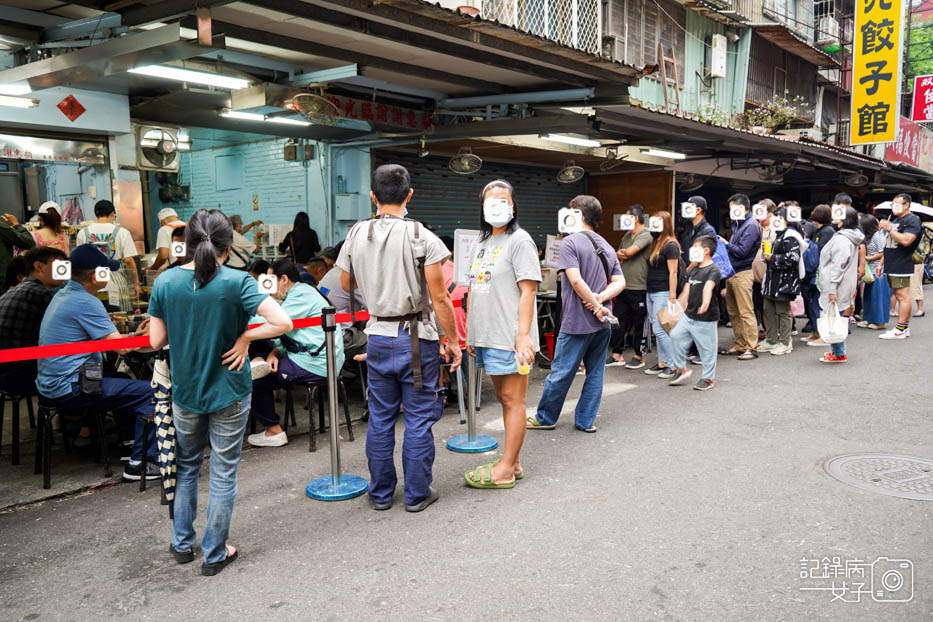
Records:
x=11, y=355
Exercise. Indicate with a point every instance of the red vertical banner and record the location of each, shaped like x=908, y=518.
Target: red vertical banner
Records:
x=923, y=99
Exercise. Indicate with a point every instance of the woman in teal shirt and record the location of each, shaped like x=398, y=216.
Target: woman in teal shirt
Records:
x=201, y=309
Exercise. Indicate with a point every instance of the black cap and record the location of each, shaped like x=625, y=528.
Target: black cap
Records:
x=699, y=202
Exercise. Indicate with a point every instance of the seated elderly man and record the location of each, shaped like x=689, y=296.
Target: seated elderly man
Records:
x=296, y=356
x=76, y=314
x=21, y=311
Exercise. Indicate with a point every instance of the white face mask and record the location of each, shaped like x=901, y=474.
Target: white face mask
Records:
x=497, y=212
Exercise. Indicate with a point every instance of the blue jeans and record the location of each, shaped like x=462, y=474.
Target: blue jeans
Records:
x=263, y=400
x=811, y=300
x=656, y=302
x=128, y=400
x=839, y=349
x=389, y=364
x=225, y=429
x=571, y=349
x=704, y=334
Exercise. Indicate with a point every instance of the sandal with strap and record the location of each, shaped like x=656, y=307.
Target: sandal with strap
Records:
x=532, y=423
x=519, y=475
x=485, y=478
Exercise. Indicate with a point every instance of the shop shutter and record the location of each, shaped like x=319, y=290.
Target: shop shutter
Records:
x=446, y=201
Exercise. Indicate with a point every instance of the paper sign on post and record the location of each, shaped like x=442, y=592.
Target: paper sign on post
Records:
x=552, y=252
x=268, y=284
x=61, y=269
x=464, y=239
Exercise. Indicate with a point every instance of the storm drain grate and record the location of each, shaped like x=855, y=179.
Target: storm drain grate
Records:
x=896, y=476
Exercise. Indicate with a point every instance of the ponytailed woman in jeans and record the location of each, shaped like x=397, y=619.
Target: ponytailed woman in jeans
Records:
x=201, y=309
x=663, y=266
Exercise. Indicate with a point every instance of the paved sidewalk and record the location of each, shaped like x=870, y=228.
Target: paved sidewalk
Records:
x=684, y=506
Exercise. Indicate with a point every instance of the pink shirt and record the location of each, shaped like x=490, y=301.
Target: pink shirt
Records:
x=61, y=242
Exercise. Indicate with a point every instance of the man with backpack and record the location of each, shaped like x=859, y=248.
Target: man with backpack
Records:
x=591, y=276
x=116, y=243
x=398, y=265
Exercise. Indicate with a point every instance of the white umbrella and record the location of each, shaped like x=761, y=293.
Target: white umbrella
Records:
x=923, y=211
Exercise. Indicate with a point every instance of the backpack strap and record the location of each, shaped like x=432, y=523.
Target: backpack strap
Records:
x=602, y=256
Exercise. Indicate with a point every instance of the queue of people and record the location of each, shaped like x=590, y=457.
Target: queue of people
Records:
x=222, y=371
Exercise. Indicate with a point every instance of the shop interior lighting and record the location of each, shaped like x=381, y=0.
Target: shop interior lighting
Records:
x=194, y=77
x=663, y=153
x=572, y=140
x=15, y=88
x=18, y=102
x=255, y=116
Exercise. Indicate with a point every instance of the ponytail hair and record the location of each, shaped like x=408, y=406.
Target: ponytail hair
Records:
x=207, y=236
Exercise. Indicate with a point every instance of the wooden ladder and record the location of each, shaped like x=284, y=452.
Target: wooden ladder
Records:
x=667, y=82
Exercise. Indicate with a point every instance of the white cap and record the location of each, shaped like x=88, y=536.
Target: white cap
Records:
x=45, y=207
x=165, y=212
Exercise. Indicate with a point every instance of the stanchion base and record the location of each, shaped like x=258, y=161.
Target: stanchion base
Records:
x=462, y=444
x=323, y=488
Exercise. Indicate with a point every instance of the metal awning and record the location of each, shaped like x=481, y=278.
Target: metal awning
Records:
x=788, y=40
x=639, y=126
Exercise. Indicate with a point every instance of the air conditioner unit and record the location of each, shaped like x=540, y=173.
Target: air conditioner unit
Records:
x=157, y=148
x=614, y=47
x=828, y=32
x=718, y=56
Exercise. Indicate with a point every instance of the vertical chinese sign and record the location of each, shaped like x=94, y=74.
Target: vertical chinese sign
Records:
x=923, y=99
x=876, y=71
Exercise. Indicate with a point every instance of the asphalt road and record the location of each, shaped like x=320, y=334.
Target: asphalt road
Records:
x=684, y=506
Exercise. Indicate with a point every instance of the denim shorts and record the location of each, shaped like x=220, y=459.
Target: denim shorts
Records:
x=496, y=362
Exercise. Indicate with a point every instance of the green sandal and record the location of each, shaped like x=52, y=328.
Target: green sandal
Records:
x=485, y=478
x=519, y=475
x=532, y=423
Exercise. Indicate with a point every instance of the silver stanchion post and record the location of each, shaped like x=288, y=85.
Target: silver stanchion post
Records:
x=338, y=486
x=471, y=443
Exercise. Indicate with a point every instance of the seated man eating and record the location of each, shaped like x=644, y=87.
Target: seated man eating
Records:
x=296, y=357
x=76, y=314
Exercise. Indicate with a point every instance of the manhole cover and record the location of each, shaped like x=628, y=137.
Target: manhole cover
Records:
x=896, y=476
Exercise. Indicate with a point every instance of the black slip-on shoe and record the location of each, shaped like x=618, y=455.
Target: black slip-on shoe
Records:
x=182, y=557
x=209, y=570
x=417, y=507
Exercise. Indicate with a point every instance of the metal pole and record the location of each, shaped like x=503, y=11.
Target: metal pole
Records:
x=471, y=398
x=329, y=325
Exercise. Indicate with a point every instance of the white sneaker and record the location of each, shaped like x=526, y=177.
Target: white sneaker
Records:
x=261, y=439
x=895, y=334
x=767, y=346
x=259, y=368
x=781, y=349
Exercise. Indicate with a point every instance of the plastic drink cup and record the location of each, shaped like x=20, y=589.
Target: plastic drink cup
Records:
x=523, y=368
x=766, y=247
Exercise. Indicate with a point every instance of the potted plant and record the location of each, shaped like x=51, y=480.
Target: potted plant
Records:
x=776, y=113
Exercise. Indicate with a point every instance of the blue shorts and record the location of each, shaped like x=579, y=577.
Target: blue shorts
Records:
x=496, y=362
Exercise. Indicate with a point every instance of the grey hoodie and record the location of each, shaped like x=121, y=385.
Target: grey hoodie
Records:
x=838, y=271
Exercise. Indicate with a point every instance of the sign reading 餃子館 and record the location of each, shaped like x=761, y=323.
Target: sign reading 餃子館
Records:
x=876, y=71
x=914, y=146
x=923, y=98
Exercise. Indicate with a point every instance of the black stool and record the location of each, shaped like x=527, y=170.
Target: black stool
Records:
x=315, y=392
x=47, y=412
x=16, y=399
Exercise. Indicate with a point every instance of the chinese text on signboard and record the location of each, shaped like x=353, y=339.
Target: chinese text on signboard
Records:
x=876, y=70
x=923, y=98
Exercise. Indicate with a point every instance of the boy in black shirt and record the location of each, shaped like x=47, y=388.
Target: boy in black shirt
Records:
x=701, y=316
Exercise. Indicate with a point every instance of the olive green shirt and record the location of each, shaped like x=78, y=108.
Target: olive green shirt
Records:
x=16, y=236
x=635, y=269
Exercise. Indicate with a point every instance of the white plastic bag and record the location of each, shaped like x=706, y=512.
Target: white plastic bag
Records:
x=833, y=328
